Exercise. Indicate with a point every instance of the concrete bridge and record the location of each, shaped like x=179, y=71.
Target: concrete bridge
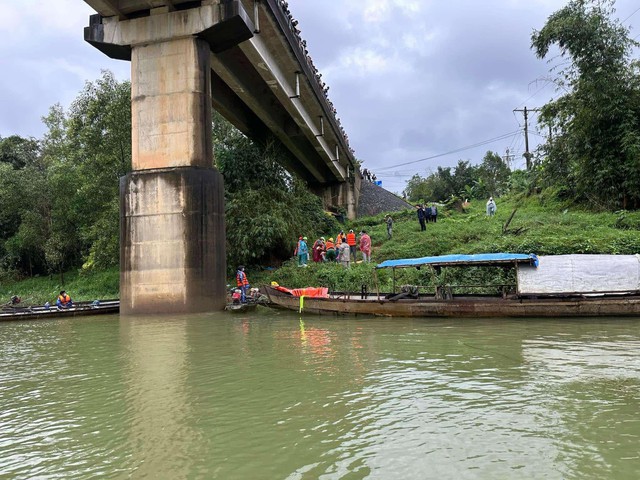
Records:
x=244, y=59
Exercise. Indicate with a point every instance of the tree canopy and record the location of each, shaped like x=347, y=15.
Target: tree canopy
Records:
x=594, y=152
x=491, y=177
x=59, y=198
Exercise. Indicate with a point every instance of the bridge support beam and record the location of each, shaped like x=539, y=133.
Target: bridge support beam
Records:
x=172, y=246
x=342, y=195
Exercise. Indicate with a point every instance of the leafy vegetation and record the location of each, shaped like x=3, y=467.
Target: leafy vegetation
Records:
x=59, y=196
x=82, y=286
x=541, y=224
x=593, y=155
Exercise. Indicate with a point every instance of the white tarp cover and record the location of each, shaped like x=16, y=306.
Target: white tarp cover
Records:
x=580, y=274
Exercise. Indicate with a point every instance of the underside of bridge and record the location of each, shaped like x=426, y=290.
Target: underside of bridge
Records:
x=244, y=59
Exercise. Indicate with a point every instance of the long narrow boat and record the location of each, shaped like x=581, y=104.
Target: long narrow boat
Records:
x=549, y=286
x=42, y=313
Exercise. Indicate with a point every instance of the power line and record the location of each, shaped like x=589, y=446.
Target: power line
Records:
x=461, y=149
x=632, y=14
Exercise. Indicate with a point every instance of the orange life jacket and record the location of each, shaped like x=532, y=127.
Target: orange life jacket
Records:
x=351, y=239
x=241, y=279
x=339, y=238
x=64, y=299
x=329, y=245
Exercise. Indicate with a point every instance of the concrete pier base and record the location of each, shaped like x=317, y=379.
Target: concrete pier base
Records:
x=172, y=245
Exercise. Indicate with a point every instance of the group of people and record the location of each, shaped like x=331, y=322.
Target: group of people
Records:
x=343, y=249
x=426, y=214
x=63, y=301
x=369, y=176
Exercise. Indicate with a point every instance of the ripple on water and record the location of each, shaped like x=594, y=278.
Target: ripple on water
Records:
x=276, y=397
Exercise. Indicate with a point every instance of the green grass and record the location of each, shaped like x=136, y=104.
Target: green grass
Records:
x=85, y=286
x=539, y=226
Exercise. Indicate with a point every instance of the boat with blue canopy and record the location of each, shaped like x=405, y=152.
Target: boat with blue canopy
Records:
x=481, y=259
x=535, y=286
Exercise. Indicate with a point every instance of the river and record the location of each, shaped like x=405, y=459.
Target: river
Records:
x=271, y=395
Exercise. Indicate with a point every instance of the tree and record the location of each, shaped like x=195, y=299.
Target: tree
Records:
x=266, y=208
x=595, y=150
x=493, y=173
x=18, y=151
x=23, y=191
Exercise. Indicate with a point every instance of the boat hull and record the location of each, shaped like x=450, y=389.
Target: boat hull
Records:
x=461, y=307
x=42, y=313
x=241, y=307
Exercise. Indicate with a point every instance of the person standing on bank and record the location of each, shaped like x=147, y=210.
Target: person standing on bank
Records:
x=303, y=252
x=389, y=222
x=421, y=218
x=351, y=241
x=243, y=283
x=344, y=254
x=365, y=246
x=427, y=213
x=491, y=207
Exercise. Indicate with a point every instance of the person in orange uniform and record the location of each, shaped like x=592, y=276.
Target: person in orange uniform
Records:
x=330, y=254
x=64, y=300
x=351, y=241
x=243, y=283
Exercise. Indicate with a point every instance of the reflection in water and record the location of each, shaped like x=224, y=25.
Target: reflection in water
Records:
x=156, y=372
x=279, y=395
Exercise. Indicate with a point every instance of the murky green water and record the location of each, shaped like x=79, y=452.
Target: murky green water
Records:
x=268, y=396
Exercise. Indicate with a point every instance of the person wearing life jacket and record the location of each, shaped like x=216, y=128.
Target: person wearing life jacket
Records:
x=64, y=300
x=330, y=255
x=339, y=238
x=351, y=241
x=243, y=283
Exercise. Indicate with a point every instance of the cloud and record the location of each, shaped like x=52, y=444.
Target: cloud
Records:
x=409, y=78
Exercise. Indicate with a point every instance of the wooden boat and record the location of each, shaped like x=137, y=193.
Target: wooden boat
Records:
x=552, y=286
x=40, y=312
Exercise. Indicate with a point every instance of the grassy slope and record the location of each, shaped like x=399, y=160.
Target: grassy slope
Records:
x=537, y=227
x=88, y=286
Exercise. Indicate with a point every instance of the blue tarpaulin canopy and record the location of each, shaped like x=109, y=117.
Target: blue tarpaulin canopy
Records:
x=481, y=259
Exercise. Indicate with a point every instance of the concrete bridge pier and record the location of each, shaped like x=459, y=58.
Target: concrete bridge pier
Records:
x=343, y=195
x=172, y=246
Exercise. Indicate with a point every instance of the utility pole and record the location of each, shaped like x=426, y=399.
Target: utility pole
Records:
x=527, y=155
x=508, y=158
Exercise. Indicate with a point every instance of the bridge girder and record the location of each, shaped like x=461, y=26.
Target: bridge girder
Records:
x=257, y=90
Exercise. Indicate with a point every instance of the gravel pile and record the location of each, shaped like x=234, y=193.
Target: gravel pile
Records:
x=375, y=200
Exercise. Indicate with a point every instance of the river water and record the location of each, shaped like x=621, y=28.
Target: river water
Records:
x=272, y=395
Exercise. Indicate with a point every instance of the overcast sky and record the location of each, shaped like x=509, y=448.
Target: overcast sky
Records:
x=410, y=79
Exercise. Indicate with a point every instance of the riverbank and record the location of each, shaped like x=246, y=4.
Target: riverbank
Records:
x=85, y=286
x=539, y=225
